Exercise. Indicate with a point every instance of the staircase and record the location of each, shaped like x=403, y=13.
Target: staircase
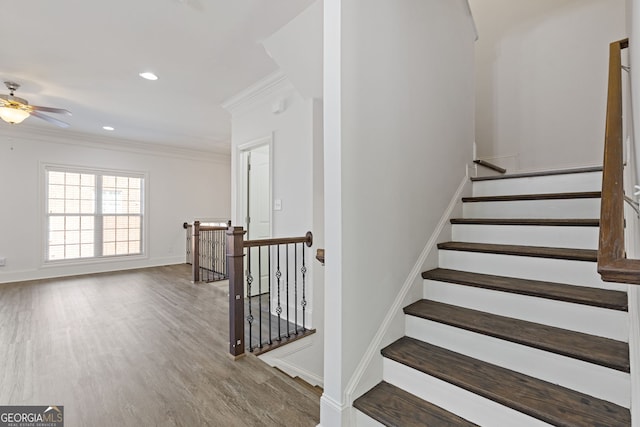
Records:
x=515, y=327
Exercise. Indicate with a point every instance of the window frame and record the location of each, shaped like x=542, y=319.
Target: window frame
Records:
x=98, y=214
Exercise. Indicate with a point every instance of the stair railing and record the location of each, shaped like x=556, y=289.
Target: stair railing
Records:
x=206, y=251
x=274, y=274
x=613, y=264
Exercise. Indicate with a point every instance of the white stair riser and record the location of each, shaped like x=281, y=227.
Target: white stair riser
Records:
x=581, y=273
x=456, y=400
x=574, y=317
x=594, y=380
x=562, y=208
x=564, y=236
x=567, y=183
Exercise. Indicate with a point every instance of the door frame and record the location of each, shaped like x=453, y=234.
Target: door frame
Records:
x=241, y=149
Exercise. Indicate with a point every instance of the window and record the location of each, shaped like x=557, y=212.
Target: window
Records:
x=92, y=214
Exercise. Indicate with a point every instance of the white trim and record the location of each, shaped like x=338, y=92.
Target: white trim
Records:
x=76, y=270
x=117, y=144
x=255, y=143
x=396, y=307
x=240, y=179
x=634, y=352
x=257, y=93
x=277, y=357
x=332, y=413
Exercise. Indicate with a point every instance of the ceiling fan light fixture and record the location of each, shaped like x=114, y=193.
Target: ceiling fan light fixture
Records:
x=13, y=115
x=148, y=75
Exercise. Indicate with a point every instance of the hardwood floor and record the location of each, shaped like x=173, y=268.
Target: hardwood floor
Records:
x=139, y=348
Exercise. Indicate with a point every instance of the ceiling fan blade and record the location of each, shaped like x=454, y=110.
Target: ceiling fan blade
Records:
x=50, y=109
x=50, y=119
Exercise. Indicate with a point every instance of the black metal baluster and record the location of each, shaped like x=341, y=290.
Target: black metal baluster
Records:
x=221, y=254
x=260, y=296
x=295, y=285
x=201, y=254
x=269, y=290
x=204, y=241
x=210, y=249
x=223, y=249
x=216, y=255
x=287, y=291
x=278, y=307
x=249, y=281
x=304, y=300
x=189, y=260
x=209, y=257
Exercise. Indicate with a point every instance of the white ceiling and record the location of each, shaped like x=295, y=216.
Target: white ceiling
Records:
x=85, y=56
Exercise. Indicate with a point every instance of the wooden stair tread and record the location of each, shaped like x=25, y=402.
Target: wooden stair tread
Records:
x=589, y=348
x=393, y=406
x=535, y=174
x=559, y=222
x=548, y=402
x=538, y=196
x=518, y=250
x=604, y=298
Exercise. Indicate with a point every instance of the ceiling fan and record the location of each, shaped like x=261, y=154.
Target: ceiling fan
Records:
x=14, y=109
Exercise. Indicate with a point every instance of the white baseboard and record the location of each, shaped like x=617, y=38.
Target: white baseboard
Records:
x=278, y=359
x=101, y=266
x=332, y=413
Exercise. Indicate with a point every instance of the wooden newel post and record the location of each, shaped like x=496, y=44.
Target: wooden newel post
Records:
x=235, y=266
x=195, y=252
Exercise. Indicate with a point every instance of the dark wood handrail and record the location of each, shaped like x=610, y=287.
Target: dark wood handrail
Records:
x=307, y=239
x=212, y=228
x=207, y=227
x=186, y=225
x=613, y=264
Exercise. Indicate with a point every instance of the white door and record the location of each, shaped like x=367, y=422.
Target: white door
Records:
x=258, y=212
x=259, y=194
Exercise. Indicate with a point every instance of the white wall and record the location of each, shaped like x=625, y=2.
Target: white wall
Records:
x=398, y=134
x=291, y=131
x=541, y=80
x=295, y=135
x=182, y=186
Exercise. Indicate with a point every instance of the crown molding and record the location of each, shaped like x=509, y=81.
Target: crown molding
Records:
x=257, y=93
x=27, y=133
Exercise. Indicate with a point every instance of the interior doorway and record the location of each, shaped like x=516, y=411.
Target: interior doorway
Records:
x=257, y=189
x=256, y=207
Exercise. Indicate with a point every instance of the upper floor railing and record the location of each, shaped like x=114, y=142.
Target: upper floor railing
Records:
x=268, y=291
x=613, y=264
x=206, y=251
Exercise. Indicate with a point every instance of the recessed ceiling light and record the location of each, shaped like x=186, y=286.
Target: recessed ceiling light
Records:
x=108, y=128
x=149, y=76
